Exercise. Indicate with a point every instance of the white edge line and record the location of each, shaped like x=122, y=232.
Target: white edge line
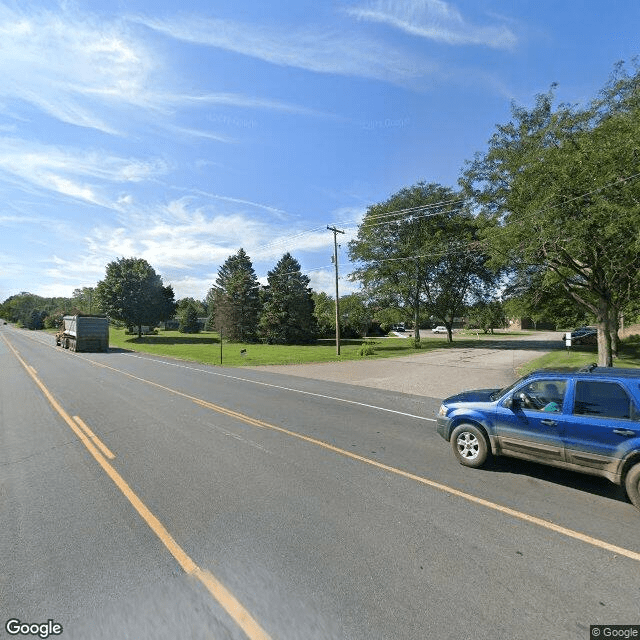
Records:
x=275, y=386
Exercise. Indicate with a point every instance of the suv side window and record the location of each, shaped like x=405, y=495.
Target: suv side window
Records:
x=606, y=399
x=543, y=395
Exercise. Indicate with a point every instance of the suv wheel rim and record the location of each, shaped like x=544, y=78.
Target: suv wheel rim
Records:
x=468, y=445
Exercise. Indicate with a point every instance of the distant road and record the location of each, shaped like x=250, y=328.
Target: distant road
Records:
x=149, y=498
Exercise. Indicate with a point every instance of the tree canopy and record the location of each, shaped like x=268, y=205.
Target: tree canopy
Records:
x=287, y=316
x=133, y=293
x=234, y=300
x=420, y=249
x=562, y=188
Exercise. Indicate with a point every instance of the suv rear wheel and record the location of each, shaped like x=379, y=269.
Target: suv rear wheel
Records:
x=470, y=446
x=632, y=484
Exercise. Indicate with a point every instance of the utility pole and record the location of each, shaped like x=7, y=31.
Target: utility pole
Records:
x=335, y=262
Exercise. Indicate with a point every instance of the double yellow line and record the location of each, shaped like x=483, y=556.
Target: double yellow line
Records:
x=100, y=452
x=217, y=590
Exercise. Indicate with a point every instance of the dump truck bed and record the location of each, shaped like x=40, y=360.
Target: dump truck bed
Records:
x=84, y=333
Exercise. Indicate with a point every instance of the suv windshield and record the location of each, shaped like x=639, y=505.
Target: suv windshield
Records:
x=501, y=392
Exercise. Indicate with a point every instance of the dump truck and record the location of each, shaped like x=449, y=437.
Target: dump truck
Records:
x=84, y=333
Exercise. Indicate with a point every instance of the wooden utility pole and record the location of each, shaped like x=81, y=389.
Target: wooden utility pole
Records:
x=335, y=262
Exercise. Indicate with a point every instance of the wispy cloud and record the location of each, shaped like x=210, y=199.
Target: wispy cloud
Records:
x=318, y=50
x=67, y=66
x=97, y=73
x=72, y=172
x=435, y=20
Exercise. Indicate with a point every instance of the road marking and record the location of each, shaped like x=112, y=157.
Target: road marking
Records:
x=239, y=379
x=105, y=450
x=224, y=597
x=546, y=524
x=520, y=515
x=275, y=386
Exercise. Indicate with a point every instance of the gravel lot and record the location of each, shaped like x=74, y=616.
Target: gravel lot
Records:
x=436, y=374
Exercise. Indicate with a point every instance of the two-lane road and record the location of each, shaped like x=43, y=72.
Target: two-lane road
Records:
x=148, y=498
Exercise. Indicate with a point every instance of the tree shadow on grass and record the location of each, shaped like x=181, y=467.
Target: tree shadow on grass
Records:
x=172, y=340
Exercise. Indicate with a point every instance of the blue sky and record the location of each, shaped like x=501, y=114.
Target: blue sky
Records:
x=180, y=132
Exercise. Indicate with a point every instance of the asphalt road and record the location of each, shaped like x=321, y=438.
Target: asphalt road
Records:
x=224, y=503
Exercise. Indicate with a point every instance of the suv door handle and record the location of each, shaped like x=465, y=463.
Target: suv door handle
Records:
x=549, y=423
x=624, y=432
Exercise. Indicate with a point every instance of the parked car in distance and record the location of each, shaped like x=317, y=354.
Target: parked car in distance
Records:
x=582, y=335
x=398, y=327
x=439, y=329
x=586, y=420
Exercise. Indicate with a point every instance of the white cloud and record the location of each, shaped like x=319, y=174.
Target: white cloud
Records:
x=324, y=280
x=435, y=20
x=72, y=172
x=67, y=65
x=323, y=51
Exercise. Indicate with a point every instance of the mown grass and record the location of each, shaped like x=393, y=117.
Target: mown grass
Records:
x=579, y=356
x=205, y=347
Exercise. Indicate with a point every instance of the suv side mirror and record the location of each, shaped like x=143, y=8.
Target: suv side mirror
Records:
x=513, y=402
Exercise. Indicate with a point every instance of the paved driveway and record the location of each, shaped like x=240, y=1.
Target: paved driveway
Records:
x=438, y=373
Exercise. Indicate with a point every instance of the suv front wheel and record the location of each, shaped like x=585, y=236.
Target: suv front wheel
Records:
x=632, y=484
x=470, y=446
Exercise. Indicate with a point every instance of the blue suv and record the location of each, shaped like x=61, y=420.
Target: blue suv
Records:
x=586, y=420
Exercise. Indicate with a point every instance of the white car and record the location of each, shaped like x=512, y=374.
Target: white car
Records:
x=439, y=330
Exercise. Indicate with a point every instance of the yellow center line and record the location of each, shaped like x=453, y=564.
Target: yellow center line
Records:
x=514, y=513
x=105, y=450
x=224, y=597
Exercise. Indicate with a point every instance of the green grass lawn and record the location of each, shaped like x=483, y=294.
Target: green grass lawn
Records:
x=205, y=347
x=629, y=356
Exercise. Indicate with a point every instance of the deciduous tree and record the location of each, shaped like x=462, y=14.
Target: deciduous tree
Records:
x=562, y=187
x=420, y=250
x=133, y=293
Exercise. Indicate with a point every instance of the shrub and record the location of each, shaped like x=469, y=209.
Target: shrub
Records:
x=368, y=348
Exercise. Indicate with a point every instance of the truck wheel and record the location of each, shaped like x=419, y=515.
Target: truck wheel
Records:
x=470, y=445
x=632, y=484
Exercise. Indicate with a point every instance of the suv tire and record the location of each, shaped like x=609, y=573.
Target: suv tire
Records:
x=470, y=446
x=632, y=484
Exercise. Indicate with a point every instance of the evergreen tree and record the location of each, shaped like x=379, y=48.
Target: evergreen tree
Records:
x=188, y=317
x=288, y=317
x=234, y=300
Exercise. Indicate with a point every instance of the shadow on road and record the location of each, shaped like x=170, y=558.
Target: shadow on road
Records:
x=579, y=481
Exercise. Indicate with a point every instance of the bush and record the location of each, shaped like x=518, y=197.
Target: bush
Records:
x=368, y=348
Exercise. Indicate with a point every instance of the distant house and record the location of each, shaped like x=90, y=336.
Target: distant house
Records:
x=517, y=324
x=171, y=325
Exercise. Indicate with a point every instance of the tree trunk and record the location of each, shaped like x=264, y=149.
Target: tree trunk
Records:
x=604, y=336
x=614, y=324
